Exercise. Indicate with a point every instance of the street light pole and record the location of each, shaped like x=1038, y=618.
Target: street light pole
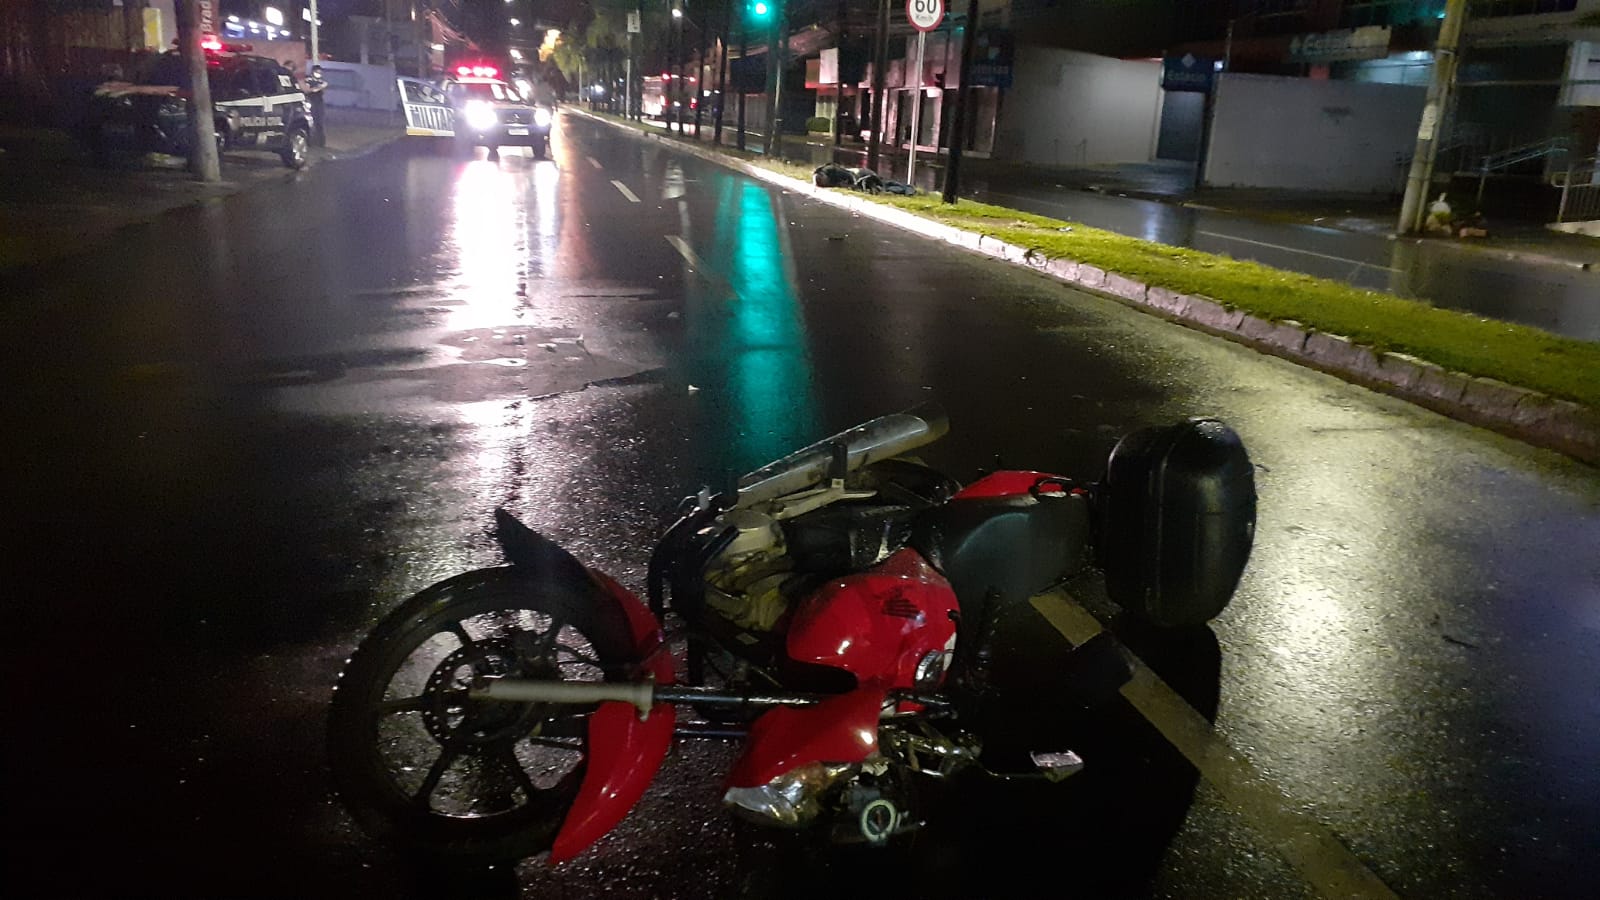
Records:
x=879, y=84
x=678, y=54
x=1445, y=59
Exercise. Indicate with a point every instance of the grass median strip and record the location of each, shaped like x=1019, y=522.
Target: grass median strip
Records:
x=1515, y=354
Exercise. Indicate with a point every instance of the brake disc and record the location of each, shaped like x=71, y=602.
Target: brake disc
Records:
x=461, y=724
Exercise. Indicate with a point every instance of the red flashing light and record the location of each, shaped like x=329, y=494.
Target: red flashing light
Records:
x=478, y=71
x=210, y=42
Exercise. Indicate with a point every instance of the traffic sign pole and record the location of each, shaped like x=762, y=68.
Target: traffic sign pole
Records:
x=916, y=114
x=924, y=15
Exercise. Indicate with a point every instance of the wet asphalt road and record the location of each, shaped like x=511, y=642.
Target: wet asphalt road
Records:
x=242, y=433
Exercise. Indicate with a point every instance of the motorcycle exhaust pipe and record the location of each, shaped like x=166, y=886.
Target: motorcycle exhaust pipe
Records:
x=642, y=695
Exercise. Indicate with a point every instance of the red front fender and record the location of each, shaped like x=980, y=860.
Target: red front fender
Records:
x=842, y=729
x=624, y=751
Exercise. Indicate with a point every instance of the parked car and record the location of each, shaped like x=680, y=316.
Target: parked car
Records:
x=256, y=105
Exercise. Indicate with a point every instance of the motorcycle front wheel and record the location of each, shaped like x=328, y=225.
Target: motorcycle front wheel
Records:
x=460, y=781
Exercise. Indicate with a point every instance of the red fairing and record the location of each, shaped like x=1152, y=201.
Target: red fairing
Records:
x=877, y=624
x=842, y=729
x=624, y=752
x=1006, y=484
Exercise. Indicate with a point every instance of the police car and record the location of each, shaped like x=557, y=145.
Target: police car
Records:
x=255, y=106
x=478, y=109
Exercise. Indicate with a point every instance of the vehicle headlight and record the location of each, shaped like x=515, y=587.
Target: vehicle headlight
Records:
x=542, y=117
x=480, y=116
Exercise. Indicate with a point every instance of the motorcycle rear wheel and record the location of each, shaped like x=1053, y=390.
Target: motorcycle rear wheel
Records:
x=458, y=781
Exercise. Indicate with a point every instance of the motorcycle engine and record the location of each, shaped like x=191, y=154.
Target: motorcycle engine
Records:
x=780, y=549
x=745, y=584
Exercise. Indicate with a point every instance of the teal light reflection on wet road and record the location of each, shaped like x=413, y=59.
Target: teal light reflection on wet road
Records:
x=749, y=344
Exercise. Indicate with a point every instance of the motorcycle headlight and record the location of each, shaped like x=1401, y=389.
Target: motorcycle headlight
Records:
x=542, y=117
x=931, y=668
x=480, y=116
x=792, y=799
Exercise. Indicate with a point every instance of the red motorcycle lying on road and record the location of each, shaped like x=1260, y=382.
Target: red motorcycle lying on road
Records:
x=836, y=608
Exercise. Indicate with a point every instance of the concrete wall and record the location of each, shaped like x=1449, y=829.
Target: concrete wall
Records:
x=1070, y=108
x=1305, y=134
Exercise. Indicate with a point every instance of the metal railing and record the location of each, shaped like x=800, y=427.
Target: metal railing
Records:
x=1580, y=191
x=1548, y=150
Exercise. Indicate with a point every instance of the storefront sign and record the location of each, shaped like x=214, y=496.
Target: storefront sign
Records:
x=1188, y=73
x=1370, y=42
x=828, y=66
x=992, y=59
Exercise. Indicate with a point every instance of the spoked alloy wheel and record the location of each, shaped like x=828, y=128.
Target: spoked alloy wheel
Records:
x=421, y=765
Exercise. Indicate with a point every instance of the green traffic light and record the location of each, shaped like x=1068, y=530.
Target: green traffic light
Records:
x=760, y=9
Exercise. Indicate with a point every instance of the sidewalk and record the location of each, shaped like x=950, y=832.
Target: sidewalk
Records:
x=55, y=203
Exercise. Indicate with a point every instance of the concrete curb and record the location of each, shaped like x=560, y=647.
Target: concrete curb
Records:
x=1529, y=416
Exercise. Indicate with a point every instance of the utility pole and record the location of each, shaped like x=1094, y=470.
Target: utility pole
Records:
x=1445, y=58
x=838, y=76
x=877, y=109
x=203, y=157
x=418, y=23
x=722, y=72
x=783, y=58
x=958, y=128
x=316, y=26
x=744, y=55
x=774, y=78
x=700, y=92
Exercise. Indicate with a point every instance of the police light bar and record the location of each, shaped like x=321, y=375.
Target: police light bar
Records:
x=478, y=71
x=210, y=42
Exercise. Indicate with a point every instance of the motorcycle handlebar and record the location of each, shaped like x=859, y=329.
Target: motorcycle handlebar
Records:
x=872, y=441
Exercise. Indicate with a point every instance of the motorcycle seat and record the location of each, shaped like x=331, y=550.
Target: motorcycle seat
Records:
x=1010, y=548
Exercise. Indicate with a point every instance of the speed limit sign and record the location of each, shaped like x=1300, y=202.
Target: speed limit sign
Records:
x=925, y=15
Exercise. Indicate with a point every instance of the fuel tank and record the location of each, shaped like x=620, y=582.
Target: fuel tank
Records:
x=878, y=624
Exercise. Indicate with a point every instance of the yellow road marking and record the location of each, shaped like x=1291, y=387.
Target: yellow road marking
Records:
x=1311, y=849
